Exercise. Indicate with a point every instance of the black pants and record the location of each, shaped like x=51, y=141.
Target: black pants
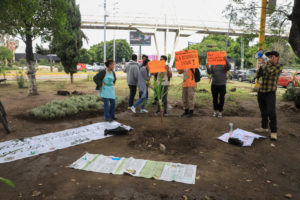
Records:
x=164, y=99
x=132, y=93
x=267, y=102
x=218, y=94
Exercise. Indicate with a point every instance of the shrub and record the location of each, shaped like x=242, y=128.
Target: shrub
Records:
x=71, y=106
x=289, y=94
x=20, y=80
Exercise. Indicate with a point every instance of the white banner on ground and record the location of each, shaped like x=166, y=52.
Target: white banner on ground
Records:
x=245, y=136
x=22, y=148
x=137, y=167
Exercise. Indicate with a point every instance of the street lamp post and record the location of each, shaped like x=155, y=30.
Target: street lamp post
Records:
x=104, y=45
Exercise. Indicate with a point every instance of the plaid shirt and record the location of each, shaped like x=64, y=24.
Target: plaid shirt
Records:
x=269, y=74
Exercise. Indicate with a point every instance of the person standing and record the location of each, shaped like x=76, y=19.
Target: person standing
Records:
x=218, y=86
x=132, y=70
x=188, y=90
x=266, y=96
x=144, y=57
x=164, y=79
x=107, y=79
x=143, y=79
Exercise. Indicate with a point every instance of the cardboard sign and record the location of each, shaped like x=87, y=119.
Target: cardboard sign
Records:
x=157, y=66
x=216, y=58
x=186, y=59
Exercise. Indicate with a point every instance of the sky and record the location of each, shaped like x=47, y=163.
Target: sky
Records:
x=196, y=12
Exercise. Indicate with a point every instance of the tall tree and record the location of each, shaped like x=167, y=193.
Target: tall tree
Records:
x=68, y=43
x=246, y=13
x=31, y=19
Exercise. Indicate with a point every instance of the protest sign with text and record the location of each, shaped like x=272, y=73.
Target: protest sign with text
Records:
x=157, y=66
x=186, y=59
x=216, y=58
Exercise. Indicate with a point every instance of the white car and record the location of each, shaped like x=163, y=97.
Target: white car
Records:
x=89, y=67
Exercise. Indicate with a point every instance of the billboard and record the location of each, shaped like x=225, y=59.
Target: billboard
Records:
x=137, y=39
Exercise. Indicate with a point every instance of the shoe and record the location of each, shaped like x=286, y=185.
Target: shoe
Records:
x=190, y=114
x=261, y=130
x=273, y=136
x=165, y=114
x=157, y=113
x=185, y=113
x=215, y=114
x=132, y=108
x=108, y=120
x=114, y=118
x=144, y=111
x=220, y=115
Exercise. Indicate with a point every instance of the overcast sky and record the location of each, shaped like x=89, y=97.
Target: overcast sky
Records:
x=197, y=12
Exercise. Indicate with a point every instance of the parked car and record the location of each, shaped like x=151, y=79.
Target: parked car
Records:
x=81, y=67
x=89, y=67
x=286, y=79
x=234, y=74
x=99, y=67
x=248, y=75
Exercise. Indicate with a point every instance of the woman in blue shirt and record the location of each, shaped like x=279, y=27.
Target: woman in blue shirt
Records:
x=107, y=91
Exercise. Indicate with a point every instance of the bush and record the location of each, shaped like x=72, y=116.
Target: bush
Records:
x=44, y=62
x=59, y=68
x=289, y=94
x=20, y=80
x=71, y=106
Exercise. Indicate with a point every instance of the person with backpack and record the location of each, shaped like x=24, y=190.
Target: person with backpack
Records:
x=143, y=79
x=188, y=90
x=218, y=86
x=105, y=80
x=164, y=79
x=132, y=71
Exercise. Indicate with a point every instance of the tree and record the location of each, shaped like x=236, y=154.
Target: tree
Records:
x=85, y=57
x=123, y=50
x=5, y=55
x=245, y=14
x=30, y=19
x=67, y=44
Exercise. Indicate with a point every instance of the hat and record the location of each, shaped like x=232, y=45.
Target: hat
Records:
x=272, y=53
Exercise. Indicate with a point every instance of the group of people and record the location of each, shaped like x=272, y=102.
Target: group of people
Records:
x=138, y=77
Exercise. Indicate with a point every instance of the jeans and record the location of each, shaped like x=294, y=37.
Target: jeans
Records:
x=218, y=94
x=109, y=113
x=164, y=99
x=141, y=101
x=267, y=106
x=132, y=93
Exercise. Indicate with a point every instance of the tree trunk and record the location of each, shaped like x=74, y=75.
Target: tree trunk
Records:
x=294, y=37
x=71, y=76
x=31, y=67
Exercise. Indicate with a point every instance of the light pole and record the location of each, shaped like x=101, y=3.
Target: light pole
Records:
x=227, y=38
x=104, y=45
x=114, y=12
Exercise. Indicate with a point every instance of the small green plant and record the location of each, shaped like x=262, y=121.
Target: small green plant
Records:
x=8, y=182
x=2, y=71
x=60, y=85
x=158, y=95
x=89, y=76
x=20, y=80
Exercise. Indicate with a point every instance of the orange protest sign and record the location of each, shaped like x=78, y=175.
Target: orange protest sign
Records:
x=157, y=66
x=216, y=58
x=186, y=59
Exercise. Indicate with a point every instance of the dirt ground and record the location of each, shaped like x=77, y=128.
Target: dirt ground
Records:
x=267, y=170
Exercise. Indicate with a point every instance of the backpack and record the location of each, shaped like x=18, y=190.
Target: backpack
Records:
x=197, y=75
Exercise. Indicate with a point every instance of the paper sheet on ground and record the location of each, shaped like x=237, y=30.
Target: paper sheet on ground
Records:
x=137, y=167
x=22, y=148
x=245, y=136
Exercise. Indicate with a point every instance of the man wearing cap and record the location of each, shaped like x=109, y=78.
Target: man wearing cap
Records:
x=266, y=96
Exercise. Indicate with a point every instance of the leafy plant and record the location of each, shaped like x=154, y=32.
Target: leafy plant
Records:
x=158, y=95
x=20, y=80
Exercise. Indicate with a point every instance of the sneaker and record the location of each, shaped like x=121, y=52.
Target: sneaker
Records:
x=273, y=136
x=144, y=111
x=190, y=114
x=165, y=114
x=220, y=115
x=261, y=130
x=132, y=108
x=215, y=114
x=114, y=118
x=157, y=113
